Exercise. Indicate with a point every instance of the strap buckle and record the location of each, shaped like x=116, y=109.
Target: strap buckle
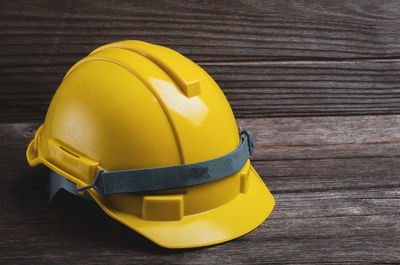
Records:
x=97, y=183
x=250, y=138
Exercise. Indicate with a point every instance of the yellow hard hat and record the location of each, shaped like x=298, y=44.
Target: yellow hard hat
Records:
x=150, y=137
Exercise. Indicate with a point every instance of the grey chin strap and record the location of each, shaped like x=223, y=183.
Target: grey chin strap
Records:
x=58, y=182
x=161, y=178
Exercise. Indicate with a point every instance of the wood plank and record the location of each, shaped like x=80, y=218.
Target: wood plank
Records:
x=271, y=58
x=258, y=30
x=256, y=89
x=333, y=205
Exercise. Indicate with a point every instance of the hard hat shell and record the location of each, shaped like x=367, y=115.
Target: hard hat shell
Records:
x=132, y=105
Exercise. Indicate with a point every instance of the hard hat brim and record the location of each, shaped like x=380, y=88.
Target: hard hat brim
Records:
x=234, y=219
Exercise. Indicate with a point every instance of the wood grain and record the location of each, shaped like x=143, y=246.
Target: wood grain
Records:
x=335, y=180
x=271, y=58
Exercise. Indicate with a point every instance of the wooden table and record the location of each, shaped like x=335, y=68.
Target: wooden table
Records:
x=318, y=82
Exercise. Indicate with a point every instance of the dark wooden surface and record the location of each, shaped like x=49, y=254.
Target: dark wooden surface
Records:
x=318, y=82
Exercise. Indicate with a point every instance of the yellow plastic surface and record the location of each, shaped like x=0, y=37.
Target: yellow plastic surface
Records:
x=131, y=105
